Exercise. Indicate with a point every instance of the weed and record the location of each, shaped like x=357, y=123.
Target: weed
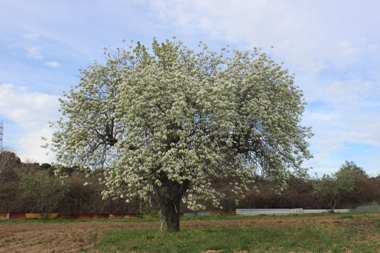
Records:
x=347, y=216
x=41, y=239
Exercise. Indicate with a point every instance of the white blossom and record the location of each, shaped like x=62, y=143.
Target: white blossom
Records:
x=169, y=114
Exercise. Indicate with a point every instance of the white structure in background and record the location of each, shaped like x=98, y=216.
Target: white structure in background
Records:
x=253, y=212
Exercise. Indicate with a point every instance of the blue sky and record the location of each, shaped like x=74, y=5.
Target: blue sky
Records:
x=332, y=47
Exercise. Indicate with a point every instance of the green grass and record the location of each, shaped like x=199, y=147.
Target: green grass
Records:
x=356, y=237
x=282, y=239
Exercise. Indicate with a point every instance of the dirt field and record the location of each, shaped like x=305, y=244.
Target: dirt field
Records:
x=82, y=236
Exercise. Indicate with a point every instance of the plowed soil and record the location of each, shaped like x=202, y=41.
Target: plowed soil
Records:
x=82, y=236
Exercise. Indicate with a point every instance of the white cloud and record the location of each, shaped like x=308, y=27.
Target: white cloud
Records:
x=34, y=52
x=29, y=146
x=306, y=34
x=28, y=113
x=53, y=64
x=350, y=115
x=31, y=36
x=352, y=93
x=20, y=105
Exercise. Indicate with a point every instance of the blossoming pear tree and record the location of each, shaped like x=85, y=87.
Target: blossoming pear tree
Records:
x=165, y=120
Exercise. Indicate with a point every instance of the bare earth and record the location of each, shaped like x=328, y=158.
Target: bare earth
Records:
x=82, y=236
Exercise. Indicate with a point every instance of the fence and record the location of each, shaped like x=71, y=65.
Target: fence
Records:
x=253, y=212
x=366, y=208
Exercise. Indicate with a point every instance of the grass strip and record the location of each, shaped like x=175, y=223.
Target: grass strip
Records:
x=321, y=238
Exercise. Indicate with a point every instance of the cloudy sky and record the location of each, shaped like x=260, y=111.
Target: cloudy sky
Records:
x=332, y=47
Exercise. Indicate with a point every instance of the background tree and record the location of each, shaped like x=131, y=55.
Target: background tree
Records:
x=168, y=120
x=332, y=188
x=365, y=190
x=43, y=191
x=351, y=168
x=8, y=162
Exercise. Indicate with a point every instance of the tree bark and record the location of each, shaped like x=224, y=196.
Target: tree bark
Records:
x=170, y=194
x=172, y=214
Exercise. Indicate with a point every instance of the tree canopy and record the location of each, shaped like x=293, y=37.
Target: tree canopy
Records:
x=165, y=120
x=351, y=168
x=332, y=188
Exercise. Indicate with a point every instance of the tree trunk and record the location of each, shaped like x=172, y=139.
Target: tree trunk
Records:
x=170, y=195
x=171, y=212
